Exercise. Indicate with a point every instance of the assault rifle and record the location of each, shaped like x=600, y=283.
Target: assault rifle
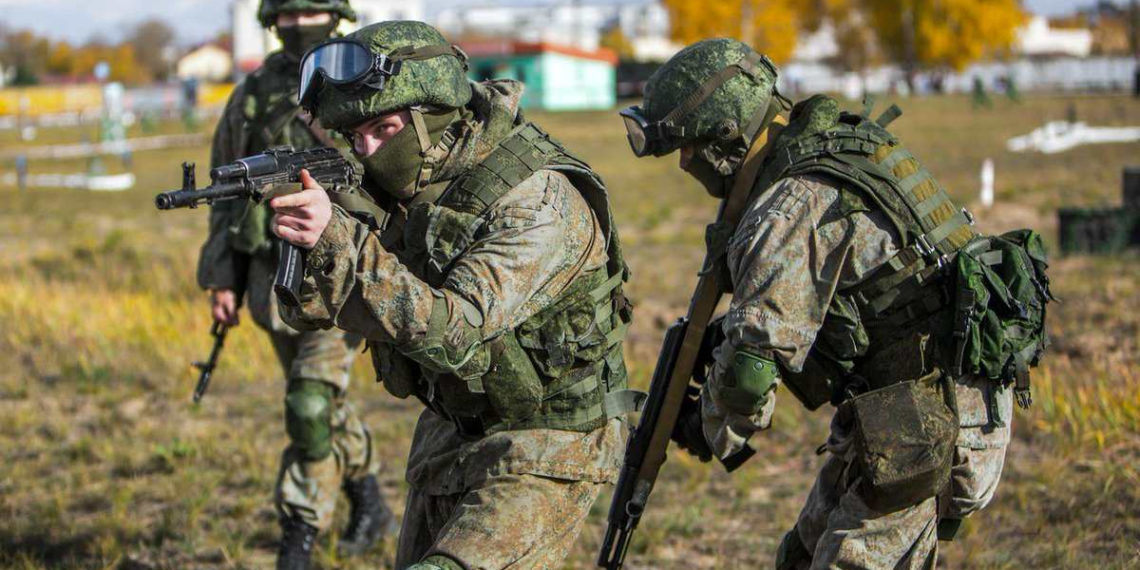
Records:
x=261, y=177
x=206, y=369
x=670, y=386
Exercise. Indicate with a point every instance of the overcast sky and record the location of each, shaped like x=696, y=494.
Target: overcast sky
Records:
x=197, y=20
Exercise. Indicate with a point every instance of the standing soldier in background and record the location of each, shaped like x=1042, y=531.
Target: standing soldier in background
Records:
x=330, y=448
x=855, y=281
x=494, y=296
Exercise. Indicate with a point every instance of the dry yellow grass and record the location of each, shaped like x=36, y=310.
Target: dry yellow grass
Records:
x=106, y=463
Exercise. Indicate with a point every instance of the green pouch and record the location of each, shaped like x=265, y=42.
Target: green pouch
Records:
x=1000, y=297
x=397, y=372
x=250, y=233
x=904, y=437
x=512, y=385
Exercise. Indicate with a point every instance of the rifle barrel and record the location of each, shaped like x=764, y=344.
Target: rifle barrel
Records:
x=190, y=198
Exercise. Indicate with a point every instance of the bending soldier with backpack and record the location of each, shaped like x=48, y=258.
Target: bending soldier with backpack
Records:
x=855, y=281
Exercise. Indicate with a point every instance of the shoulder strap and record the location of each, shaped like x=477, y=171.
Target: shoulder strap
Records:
x=524, y=151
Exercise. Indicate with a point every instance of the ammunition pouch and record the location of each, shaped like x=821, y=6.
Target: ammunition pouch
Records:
x=904, y=436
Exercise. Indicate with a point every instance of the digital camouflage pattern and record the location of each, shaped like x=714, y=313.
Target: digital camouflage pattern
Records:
x=533, y=243
x=739, y=99
x=262, y=112
x=268, y=10
x=436, y=82
x=788, y=257
x=509, y=521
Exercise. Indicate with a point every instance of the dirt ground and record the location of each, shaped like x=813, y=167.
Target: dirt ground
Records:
x=107, y=464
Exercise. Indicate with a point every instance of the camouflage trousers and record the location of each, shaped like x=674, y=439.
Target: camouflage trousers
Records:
x=837, y=528
x=515, y=521
x=308, y=490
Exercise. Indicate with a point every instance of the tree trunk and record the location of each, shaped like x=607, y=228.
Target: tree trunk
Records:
x=910, y=53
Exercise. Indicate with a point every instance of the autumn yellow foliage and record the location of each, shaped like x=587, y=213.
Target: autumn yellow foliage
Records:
x=769, y=26
x=917, y=33
x=945, y=33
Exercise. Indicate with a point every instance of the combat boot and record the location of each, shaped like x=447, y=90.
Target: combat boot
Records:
x=369, y=519
x=297, y=539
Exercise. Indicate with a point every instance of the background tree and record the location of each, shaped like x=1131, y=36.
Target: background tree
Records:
x=769, y=26
x=153, y=41
x=946, y=34
x=615, y=40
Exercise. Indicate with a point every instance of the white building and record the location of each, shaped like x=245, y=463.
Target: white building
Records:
x=1037, y=38
x=252, y=42
x=575, y=23
x=208, y=63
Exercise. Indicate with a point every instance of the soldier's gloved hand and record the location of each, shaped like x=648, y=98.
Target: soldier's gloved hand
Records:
x=688, y=433
x=301, y=218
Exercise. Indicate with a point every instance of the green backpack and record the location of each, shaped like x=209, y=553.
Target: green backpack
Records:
x=1000, y=291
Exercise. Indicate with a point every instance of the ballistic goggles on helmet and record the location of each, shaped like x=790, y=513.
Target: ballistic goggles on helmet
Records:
x=662, y=137
x=348, y=64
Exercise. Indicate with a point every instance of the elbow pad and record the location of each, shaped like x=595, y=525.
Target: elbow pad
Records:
x=746, y=382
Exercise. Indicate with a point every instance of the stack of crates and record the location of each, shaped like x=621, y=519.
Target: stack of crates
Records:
x=1104, y=230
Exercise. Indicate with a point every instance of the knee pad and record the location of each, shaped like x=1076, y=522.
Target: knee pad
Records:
x=437, y=562
x=308, y=418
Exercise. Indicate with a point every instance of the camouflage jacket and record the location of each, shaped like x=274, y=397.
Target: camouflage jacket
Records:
x=538, y=239
x=787, y=258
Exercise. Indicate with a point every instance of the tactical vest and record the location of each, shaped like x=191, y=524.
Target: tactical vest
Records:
x=907, y=297
x=562, y=368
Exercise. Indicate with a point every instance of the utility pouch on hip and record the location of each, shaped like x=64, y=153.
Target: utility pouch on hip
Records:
x=904, y=437
x=512, y=385
x=398, y=373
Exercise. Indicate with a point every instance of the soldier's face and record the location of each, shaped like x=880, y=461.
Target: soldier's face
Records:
x=290, y=19
x=370, y=136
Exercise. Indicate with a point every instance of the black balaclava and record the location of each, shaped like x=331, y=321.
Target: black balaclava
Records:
x=296, y=40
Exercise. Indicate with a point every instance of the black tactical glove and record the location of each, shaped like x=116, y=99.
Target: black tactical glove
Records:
x=688, y=433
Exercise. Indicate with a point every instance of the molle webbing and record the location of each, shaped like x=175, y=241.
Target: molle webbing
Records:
x=870, y=161
x=584, y=379
x=522, y=153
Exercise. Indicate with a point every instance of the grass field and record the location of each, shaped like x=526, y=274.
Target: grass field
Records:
x=107, y=464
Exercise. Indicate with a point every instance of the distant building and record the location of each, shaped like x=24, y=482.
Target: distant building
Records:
x=208, y=63
x=1038, y=38
x=252, y=42
x=580, y=24
x=557, y=78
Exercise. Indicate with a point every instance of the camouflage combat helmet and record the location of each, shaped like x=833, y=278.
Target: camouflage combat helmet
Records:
x=716, y=94
x=268, y=10
x=416, y=68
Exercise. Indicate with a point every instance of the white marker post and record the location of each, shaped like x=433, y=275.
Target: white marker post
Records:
x=987, y=193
